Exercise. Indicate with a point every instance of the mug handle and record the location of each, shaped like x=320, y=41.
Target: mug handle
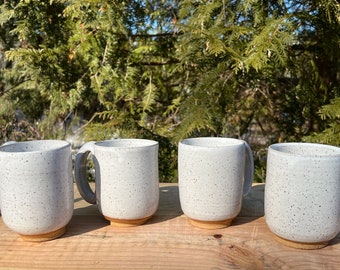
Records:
x=80, y=173
x=248, y=170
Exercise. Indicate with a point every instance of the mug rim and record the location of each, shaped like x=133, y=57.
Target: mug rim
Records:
x=203, y=142
x=278, y=148
x=13, y=148
x=123, y=143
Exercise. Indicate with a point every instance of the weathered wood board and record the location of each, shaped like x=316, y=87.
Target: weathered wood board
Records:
x=167, y=241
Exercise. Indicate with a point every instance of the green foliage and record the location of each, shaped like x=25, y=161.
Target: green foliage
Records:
x=130, y=71
x=264, y=65
x=7, y=118
x=223, y=47
x=263, y=71
x=331, y=114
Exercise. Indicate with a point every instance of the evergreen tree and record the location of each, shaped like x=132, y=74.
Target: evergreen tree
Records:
x=264, y=71
x=109, y=63
x=275, y=62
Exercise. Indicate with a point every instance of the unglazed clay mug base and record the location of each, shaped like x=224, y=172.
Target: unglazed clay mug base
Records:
x=45, y=236
x=36, y=188
x=127, y=222
x=214, y=174
x=127, y=185
x=302, y=196
x=211, y=225
x=300, y=245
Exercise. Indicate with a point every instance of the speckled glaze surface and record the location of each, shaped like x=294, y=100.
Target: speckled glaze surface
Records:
x=214, y=174
x=7, y=143
x=302, y=196
x=36, y=187
x=127, y=181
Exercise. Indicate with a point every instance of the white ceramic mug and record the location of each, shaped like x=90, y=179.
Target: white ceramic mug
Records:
x=6, y=143
x=214, y=174
x=36, y=188
x=126, y=179
x=302, y=195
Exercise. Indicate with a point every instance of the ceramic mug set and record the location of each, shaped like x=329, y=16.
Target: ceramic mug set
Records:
x=302, y=196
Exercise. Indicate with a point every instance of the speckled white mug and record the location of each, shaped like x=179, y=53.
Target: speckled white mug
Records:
x=6, y=143
x=214, y=174
x=302, y=195
x=36, y=188
x=126, y=179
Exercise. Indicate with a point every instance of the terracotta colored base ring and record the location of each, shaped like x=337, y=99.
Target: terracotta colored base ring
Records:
x=301, y=245
x=211, y=225
x=45, y=236
x=127, y=222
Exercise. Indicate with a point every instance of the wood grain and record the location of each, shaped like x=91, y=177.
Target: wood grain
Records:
x=166, y=241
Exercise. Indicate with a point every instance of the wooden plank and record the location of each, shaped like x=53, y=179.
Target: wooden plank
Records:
x=170, y=244
x=167, y=241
